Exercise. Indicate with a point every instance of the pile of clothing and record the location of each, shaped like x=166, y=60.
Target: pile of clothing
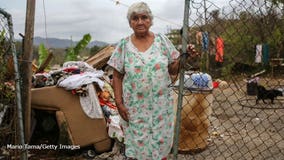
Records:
x=93, y=88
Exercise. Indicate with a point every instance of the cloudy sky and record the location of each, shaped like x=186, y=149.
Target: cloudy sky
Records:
x=103, y=19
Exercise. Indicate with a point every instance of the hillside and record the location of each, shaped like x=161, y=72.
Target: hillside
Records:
x=64, y=43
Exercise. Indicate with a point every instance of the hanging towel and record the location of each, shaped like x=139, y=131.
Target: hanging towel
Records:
x=90, y=103
x=258, y=55
x=265, y=54
x=219, y=50
x=198, y=37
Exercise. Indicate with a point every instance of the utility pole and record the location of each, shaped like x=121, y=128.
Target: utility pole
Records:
x=181, y=77
x=26, y=68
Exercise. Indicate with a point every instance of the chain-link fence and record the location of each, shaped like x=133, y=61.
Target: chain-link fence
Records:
x=9, y=92
x=240, y=45
x=225, y=113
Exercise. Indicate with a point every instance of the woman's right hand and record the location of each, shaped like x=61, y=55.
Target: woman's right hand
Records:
x=192, y=51
x=123, y=112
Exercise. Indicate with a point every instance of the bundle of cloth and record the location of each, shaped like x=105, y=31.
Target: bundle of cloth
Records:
x=195, y=81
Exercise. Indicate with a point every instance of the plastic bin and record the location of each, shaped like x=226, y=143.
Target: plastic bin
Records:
x=252, y=88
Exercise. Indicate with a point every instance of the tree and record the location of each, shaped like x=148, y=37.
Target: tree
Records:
x=43, y=53
x=215, y=15
x=73, y=52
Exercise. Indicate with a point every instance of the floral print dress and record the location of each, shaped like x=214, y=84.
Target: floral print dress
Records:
x=148, y=97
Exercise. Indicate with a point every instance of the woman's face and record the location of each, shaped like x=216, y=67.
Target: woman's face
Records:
x=140, y=23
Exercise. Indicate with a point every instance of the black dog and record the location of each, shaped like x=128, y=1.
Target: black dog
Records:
x=263, y=93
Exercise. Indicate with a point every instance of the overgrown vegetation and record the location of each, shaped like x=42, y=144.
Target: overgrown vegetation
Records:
x=242, y=28
x=77, y=52
x=7, y=94
x=43, y=53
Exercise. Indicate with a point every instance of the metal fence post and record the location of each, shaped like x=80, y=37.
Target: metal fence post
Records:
x=181, y=78
x=17, y=80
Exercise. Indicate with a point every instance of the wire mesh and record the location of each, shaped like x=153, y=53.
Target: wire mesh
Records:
x=8, y=114
x=225, y=121
x=241, y=48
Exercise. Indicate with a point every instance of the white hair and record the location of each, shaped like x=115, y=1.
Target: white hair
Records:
x=138, y=8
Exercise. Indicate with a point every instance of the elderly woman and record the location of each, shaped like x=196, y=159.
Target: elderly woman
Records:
x=143, y=63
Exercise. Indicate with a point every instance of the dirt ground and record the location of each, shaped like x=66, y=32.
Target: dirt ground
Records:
x=239, y=129
x=242, y=129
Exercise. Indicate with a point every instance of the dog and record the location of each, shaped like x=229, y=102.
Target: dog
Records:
x=263, y=93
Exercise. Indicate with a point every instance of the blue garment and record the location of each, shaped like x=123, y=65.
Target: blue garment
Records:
x=205, y=41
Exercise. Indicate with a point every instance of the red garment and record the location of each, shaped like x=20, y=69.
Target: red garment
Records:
x=72, y=69
x=105, y=103
x=219, y=50
x=215, y=84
